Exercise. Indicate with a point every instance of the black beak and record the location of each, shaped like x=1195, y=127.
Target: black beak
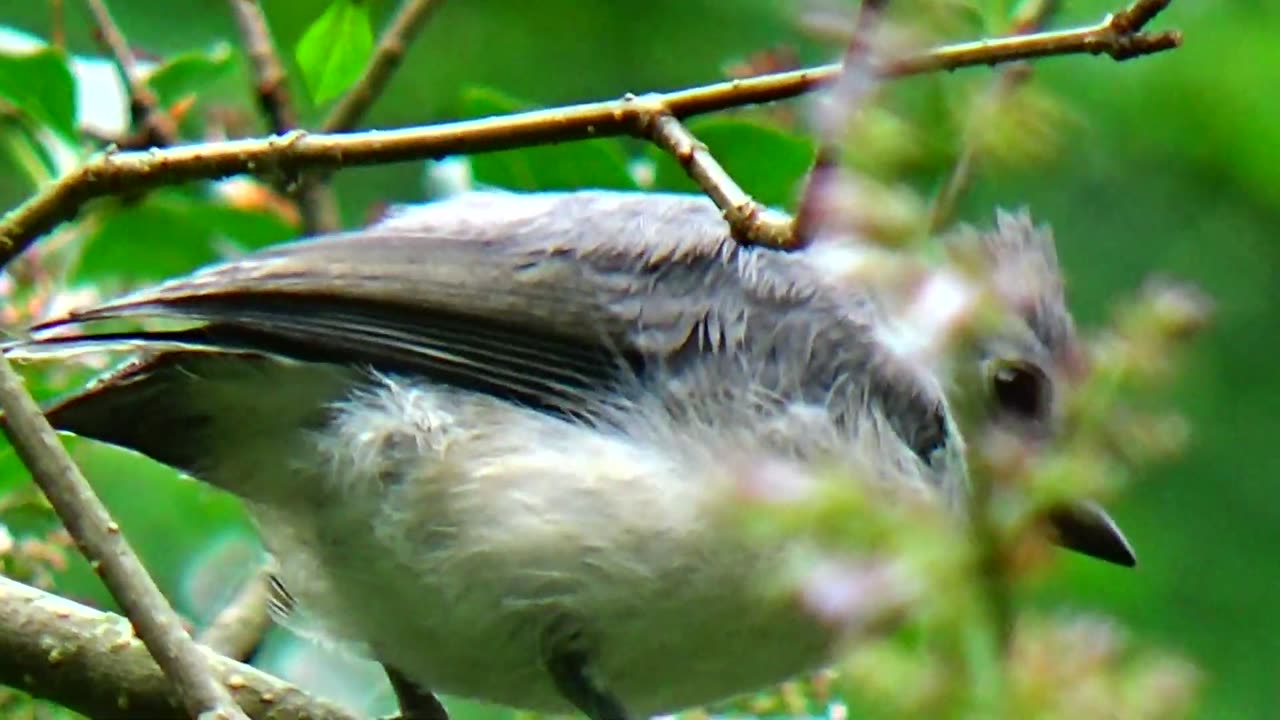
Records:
x=1086, y=528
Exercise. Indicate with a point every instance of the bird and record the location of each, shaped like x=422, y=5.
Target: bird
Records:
x=492, y=441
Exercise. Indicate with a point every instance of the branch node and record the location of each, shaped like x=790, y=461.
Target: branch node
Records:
x=60, y=201
x=1135, y=17
x=158, y=127
x=315, y=198
x=1126, y=47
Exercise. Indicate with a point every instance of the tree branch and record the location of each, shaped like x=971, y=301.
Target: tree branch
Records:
x=395, y=40
x=159, y=128
x=99, y=538
x=1119, y=36
x=90, y=662
x=315, y=198
x=238, y=630
x=750, y=222
x=272, y=84
x=295, y=152
x=860, y=76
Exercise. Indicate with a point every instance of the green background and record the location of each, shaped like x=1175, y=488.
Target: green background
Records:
x=1170, y=164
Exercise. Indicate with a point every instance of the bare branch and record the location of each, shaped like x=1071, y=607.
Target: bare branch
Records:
x=811, y=209
x=291, y=154
x=750, y=222
x=395, y=40
x=1118, y=35
x=160, y=129
x=272, y=83
x=315, y=198
x=57, y=24
x=90, y=662
x=238, y=630
x=1136, y=16
x=862, y=71
x=1033, y=16
x=99, y=537
x=861, y=74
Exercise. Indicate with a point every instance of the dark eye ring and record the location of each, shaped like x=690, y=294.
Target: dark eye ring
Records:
x=1021, y=390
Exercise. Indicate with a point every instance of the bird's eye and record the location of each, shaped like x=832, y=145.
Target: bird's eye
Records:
x=1021, y=390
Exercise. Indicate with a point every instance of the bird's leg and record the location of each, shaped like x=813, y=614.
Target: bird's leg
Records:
x=415, y=703
x=569, y=664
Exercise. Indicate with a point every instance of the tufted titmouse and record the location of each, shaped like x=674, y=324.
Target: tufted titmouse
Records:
x=492, y=439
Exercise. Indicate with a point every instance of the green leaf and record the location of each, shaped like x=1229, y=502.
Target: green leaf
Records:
x=587, y=164
x=767, y=162
x=170, y=231
x=190, y=72
x=334, y=50
x=31, y=157
x=41, y=85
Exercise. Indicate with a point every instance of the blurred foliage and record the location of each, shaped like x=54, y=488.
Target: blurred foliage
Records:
x=39, y=86
x=333, y=51
x=1169, y=164
x=767, y=161
x=597, y=163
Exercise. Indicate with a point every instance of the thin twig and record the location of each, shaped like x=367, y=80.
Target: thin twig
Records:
x=318, y=204
x=1119, y=36
x=136, y=171
x=750, y=222
x=99, y=537
x=238, y=630
x=315, y=198
x=90, y=661
x=159, y=128
x=860, y=75
x=57, y=24
x=393, y=44
x=268, y=72
x=811, y=210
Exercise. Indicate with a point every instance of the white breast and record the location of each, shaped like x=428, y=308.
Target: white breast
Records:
x=460, y=539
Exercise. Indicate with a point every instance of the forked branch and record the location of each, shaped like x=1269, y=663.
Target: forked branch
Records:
x=98, y=536
x=90, y=662
x=316, y=200
x=292, y=153
x=159, y=128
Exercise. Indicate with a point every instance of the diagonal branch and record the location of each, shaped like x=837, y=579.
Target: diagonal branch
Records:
x=395, y=40
x=861, y=74
x=239, y=629
x=315, y=198
x=99, y=538
x=89, y=661
x=159, y=128
x=109, y=173
x=268, y=72
x=750, y=222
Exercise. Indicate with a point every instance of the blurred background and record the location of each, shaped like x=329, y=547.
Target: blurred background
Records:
x=1168, y=164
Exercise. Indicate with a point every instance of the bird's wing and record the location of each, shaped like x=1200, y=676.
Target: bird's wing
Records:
x=534, y=297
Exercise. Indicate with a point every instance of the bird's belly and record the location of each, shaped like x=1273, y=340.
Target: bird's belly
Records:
x=667, y=622
x=466, y=543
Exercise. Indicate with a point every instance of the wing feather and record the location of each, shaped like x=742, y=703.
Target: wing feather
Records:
x=535, y=297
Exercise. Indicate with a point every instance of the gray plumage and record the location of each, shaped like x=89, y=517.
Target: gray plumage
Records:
x=502, y=423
